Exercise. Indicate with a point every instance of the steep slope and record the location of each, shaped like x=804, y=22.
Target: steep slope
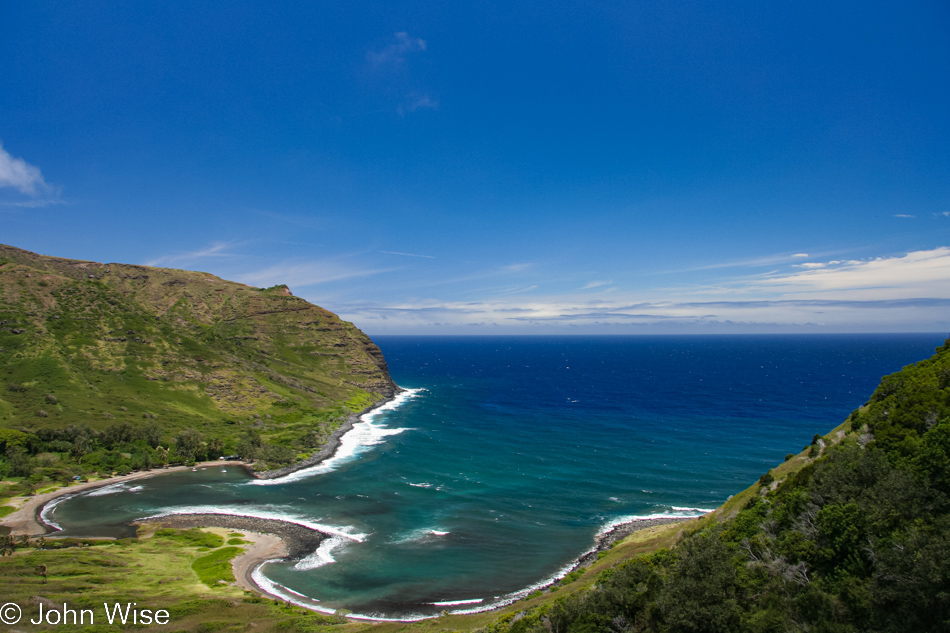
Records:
x=150, y=352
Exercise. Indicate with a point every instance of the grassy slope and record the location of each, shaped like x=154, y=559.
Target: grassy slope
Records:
x=114, y=342
x=156, y=573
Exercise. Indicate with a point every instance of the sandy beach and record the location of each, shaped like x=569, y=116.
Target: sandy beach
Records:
x=265, y=547
x=25, y=520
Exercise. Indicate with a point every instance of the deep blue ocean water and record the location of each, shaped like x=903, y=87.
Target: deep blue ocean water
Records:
x=509, y=454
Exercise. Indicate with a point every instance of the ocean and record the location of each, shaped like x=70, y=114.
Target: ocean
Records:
x=506, y=456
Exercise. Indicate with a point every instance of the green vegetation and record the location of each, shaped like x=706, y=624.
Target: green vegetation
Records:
x=191, y=538
x=110, y=368
x=162, y=572
x=214, y=569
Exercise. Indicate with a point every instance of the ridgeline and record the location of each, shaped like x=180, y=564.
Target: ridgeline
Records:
x=114, y=367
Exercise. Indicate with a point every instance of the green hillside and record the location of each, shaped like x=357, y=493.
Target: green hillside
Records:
x=112, y=365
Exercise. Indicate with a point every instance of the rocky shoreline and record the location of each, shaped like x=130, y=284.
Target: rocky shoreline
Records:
x=333, y=443
x=300, y=540
x=603, y=542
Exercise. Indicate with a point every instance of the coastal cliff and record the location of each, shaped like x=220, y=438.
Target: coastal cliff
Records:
x=110, y=357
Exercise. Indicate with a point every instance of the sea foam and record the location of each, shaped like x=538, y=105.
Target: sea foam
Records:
x=364, y=434
x=332, y=530
x=322, y=556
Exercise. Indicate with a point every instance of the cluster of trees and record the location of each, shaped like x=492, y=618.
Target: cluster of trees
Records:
x=63, y=454
x=858, y=540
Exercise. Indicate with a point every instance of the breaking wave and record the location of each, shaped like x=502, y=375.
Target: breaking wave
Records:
x=331, y=530
x=364, y=434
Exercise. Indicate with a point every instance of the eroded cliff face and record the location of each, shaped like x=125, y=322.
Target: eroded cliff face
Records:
x=117, y=341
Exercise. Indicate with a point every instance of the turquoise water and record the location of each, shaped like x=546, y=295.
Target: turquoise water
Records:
x=507, y=455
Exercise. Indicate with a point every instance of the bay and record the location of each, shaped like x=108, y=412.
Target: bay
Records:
x=509, y=454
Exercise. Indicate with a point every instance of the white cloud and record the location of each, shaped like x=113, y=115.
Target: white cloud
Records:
x=517, y=268
x=909, y=292
x=36, y=203
x=19, y=174
x=217, y=249
x=394, y=53
x=596, y=284
x=308, y=273
x=904, y=215
x=551, y=314
x=914, y=275
x=758, y=262
x=407, y=254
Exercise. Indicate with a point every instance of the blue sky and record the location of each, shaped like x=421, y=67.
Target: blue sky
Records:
x=498, y=167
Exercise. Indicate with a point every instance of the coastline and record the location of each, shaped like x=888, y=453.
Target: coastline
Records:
x=277, y=539
x=26, y=519
x=273, y=539
x=605, y=540
x=298, y=540
x=330, y=448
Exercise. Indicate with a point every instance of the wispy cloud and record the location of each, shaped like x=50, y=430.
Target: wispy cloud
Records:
x=907, y=292
x=394, y=52
x=20, y=175
x=36, y=203
x=216, y=249
x=916, y=274
x=553, y=314
x=757, y=262
x=418, y=102
x=300, y=274
x=407, y=254
x=596, y=284
x=518, y=289
x=904, y=215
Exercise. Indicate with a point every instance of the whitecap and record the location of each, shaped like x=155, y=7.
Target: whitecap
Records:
x=275, y=589
x=450, y=603
x=322, y=555
x=345, y=532
x=107, y=490
x=563, y=571
x=421, y=534
x=364, y=434
x=682, y=513
x=46, y=514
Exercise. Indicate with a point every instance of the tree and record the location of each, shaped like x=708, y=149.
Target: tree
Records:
x=188, y=444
